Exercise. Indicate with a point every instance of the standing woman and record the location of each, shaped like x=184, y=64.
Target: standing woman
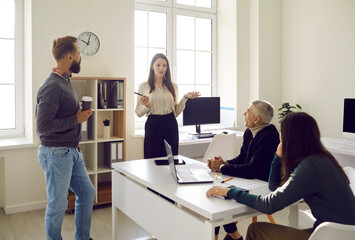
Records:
x=159, y=103
x=302, y=168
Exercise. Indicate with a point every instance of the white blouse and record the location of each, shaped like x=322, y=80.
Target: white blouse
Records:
x=161, y=101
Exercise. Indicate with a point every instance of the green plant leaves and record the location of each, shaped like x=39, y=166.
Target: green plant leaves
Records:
x=286, y=108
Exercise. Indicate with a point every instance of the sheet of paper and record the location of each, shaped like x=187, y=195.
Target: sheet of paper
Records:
x=227, y=117
x=248, y=184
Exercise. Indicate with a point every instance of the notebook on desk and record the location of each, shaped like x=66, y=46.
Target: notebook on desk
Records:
x=186, y=175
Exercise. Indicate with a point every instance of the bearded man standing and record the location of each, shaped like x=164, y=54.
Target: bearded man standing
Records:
x=58, y=121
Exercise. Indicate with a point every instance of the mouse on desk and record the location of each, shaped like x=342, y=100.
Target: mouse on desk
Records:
x=225, y=132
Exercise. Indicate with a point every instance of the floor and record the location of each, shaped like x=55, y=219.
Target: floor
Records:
x=30, y=225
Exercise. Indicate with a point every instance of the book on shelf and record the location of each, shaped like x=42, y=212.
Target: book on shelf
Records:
x=113, y=153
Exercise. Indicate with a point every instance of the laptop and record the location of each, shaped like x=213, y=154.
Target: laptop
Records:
x=186, y=175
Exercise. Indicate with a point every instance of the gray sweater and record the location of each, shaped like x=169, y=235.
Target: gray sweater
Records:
x=318, y=182
x=57, y=104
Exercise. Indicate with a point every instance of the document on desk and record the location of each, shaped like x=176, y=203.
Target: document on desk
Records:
x=249, y=184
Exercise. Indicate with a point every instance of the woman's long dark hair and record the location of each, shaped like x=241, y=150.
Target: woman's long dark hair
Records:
x=301, y=138
x=167, y=77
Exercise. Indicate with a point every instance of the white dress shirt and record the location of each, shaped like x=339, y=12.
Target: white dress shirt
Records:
x=161, y=101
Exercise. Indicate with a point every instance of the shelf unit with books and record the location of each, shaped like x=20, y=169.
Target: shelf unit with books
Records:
x=93, y=144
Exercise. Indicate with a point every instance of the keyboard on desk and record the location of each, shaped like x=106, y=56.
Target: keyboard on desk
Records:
x=348, y=147
x=186, y=175
x=210, y=135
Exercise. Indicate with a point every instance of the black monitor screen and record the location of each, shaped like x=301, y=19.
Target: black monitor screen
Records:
x=349, y=115
x=202, y=110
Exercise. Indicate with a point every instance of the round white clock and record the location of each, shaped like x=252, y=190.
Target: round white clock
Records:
x=88, y=43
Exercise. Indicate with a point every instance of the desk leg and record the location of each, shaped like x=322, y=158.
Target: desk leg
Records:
x=293, y=216
x=209, y=230
x=114, y=221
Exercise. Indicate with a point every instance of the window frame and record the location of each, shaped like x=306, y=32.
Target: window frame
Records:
x=18, y=131
x=169, y=32
x=213, y=40
x=139, y=122
x=213, y=9
x=172, y=9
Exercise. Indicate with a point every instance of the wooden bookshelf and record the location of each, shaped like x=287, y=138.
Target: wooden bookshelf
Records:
x=92, y=147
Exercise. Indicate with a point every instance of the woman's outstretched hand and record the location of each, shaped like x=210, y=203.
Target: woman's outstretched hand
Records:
x=192, y=94
x=217, y=191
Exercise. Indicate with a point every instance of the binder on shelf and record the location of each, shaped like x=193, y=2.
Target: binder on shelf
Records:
x=113, y=153
x=112, y=94
x=120, y=94
x=102, y=94
x=84, y=131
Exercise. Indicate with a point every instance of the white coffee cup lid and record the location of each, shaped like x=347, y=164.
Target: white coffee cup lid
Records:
x=86, y=98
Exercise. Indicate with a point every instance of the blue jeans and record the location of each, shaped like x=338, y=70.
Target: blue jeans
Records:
x=64, y=169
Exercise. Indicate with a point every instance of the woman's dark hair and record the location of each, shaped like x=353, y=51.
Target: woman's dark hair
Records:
x=167, y=77
x=61, y=46
x=301, y=138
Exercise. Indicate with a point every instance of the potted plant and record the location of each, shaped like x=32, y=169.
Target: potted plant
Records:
x=286, y=108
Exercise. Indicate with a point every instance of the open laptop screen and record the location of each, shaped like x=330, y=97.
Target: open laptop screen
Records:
x=170, y=159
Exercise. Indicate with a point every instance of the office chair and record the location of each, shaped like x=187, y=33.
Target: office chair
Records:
x=223, y=145
x=329, y=230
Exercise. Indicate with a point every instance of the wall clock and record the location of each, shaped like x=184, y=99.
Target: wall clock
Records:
x=88, y=43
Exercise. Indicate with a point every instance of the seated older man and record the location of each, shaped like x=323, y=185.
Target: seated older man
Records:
x=260, y=142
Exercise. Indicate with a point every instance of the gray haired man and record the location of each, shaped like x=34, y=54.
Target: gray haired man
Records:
x=260, y=141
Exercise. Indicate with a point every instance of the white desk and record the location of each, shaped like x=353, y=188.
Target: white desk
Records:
x=342, y=149
x=194, y=216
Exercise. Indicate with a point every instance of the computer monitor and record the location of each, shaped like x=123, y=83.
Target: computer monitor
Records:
x=201, y=110
x=349, y=118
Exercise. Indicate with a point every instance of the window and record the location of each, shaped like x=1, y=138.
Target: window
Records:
x=196, y=3
x=184, y=30
x=194, y=56
x=10, y=87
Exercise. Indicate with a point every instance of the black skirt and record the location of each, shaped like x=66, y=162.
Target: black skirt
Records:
x=158, y=128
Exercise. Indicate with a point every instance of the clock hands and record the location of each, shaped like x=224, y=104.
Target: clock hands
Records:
x=87, y=43
x=89, y=39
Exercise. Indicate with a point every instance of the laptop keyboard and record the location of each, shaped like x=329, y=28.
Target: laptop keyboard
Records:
x=186, y=175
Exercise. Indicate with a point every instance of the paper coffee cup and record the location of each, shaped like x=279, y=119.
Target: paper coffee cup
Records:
x=86, y=102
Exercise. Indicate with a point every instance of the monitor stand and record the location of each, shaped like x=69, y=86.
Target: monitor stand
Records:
x=199, y=133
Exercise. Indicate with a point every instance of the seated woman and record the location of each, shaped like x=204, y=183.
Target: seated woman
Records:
x=302, y=168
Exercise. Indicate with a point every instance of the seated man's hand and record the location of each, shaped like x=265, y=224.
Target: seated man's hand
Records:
x=209, y=162
x=279, y=150
x=215, y=164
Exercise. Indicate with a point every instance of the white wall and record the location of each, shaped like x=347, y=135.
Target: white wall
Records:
x=2, y=181
x=258, y=54
x=227, y=52
x=318, y=45
x=270, y=52
x=243, y=58
x=24, y=186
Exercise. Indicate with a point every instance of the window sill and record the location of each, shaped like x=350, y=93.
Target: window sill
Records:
x=139, y=133
x=13, y=143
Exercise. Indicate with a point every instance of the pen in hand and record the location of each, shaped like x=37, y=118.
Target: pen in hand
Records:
x=139, y=94
x=216, y=175
x=227, y=180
